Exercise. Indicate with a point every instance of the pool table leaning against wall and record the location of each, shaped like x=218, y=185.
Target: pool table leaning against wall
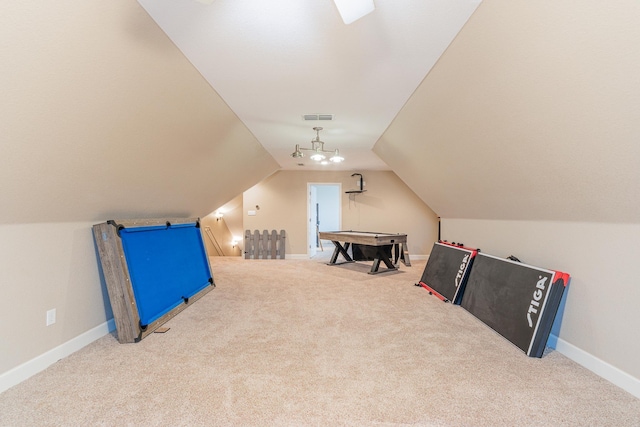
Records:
x=153, y=269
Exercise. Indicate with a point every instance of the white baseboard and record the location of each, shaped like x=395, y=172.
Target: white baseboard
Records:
x=42, y=362
x=597, y=366
x=296, y=256
x=292, y=256
x=306, y=256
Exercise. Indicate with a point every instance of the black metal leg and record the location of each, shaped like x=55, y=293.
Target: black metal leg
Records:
x=381, y=256
x=336, y=251
x=375, y=266
x=386, y=260
x=340, y=250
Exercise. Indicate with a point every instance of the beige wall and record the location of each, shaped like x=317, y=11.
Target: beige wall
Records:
x=602, y=311
x=102, y=118
x=387, y=206
x=220, y=237
x=524, y=139
x=232, y=211
x=530, y=114
x=42, y=267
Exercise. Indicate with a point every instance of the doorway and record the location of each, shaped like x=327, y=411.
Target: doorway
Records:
x=324, y=213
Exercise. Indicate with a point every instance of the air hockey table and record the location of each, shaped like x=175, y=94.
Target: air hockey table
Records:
x=369, y=246
x=153, y=269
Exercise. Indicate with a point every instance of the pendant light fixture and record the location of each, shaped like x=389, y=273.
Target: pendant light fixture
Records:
x=318, y=153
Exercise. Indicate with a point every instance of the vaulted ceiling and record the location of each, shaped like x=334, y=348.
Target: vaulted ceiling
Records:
x=529, y=111
x=275, y=61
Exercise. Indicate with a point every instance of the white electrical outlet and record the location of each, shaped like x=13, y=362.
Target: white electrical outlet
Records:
x=51, y=317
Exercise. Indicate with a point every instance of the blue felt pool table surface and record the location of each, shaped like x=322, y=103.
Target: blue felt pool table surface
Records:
x=167, y=265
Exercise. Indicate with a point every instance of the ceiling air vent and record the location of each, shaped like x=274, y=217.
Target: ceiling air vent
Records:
x=313, y=117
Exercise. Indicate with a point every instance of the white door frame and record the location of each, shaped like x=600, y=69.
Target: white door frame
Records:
x=312, y=219
x=311, y=228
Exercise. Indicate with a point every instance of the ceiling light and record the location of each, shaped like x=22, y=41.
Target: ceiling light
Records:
x=297, y=154
x=336, y=158
x=352, y=10
x=317, y=157
x=317, y=147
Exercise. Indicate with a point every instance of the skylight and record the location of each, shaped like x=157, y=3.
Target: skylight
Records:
x=352, y=10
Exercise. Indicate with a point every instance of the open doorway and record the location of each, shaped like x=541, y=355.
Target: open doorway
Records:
x=324, y=213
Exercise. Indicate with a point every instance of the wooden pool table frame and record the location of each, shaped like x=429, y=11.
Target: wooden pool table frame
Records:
x=118, y=278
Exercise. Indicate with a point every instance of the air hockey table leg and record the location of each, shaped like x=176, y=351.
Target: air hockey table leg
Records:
x=340, y=250
x=381, y=256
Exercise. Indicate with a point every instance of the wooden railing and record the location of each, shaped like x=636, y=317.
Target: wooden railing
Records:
x=214, y=241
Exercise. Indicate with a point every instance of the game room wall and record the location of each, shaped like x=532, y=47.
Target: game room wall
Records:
x=103, y=121
x=599, y=327
x=531, y=117
x=222, y=235
x=388, y=205
x=524, y=139
x=103, y=118
x=234, y=219
x=42, y=267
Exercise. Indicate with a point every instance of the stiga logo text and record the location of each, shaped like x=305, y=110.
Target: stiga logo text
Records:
x=537, y=296
x=465, y=260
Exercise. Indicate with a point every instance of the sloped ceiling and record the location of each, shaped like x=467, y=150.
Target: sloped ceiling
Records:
x=532, y=113
x=274, y=61
x=103, y=117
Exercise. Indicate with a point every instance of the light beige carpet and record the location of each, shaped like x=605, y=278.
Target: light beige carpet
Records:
x=298, y=343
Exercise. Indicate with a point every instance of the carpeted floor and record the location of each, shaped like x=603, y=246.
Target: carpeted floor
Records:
x=299, y=343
